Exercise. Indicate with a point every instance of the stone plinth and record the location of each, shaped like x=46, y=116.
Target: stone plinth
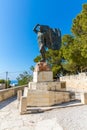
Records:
x=43, y=76
x=43, y=91
x=44, y=94
x=46, y=98
x=47, y=86
x=47, y=93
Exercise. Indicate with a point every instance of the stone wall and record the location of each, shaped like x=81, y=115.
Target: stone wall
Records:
x=77, y=83
x=7, y=93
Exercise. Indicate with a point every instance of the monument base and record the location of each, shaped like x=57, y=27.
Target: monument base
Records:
x=43, y=76
x=43, y=91
x=40, y=98
x=47, y=86
x=46, y=94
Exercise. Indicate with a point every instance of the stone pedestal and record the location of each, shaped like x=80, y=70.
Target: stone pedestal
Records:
x=43, y=76
x=43, y=91
x=47, y=93
x=47, y=86
x=46, y=98
x=42, y=72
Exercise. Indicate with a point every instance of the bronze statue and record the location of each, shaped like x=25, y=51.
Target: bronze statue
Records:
x=47, y=38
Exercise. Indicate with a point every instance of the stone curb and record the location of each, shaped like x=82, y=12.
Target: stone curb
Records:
x=31, y=110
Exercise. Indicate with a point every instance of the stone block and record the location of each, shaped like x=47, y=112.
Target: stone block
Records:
x=23, y=105
x=66, y=96
x=42, y=76
x=58, y=86
x=46, y=98
x=19, y=94
x=49, y=86
x=84, y=98
x=38, y=98
x=25, y=91
x=59, y=96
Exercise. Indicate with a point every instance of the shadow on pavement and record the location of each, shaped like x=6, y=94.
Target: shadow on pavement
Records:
x=6, y=102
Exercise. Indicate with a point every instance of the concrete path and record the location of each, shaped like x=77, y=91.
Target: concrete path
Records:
x=71, y=118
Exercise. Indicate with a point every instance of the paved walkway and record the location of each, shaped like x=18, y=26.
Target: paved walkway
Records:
x=71, y=118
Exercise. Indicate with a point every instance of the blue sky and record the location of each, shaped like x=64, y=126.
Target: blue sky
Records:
x=18, y=42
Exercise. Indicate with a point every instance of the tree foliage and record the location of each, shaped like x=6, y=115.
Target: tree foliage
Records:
x=7, y=83
x=37, y=59
x=54, y=59
x=24, y=78
x=79, y=27
x=75, y=49
x=2, y=81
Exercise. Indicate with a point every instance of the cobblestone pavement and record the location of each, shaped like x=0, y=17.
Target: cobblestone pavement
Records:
x=72, y=118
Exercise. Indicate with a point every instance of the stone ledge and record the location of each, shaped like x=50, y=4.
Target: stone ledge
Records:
x=63, y=105
x=46, y=98
x=49, y=86
x=7, y=93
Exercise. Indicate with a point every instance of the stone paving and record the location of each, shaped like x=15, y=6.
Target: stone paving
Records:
x=71, y=118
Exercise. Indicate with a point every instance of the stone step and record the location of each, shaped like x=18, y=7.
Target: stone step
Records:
x=73, y=103
x=49, y=86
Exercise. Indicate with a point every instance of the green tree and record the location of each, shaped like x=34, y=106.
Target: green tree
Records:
x=79, y=27
x=37, y=59
x=32, y=68
x=7, y=83
x=24, y=78
x=2, y=81
x=75, y=46
x=54, y=60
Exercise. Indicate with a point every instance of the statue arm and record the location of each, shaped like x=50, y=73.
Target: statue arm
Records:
x=35, y=28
